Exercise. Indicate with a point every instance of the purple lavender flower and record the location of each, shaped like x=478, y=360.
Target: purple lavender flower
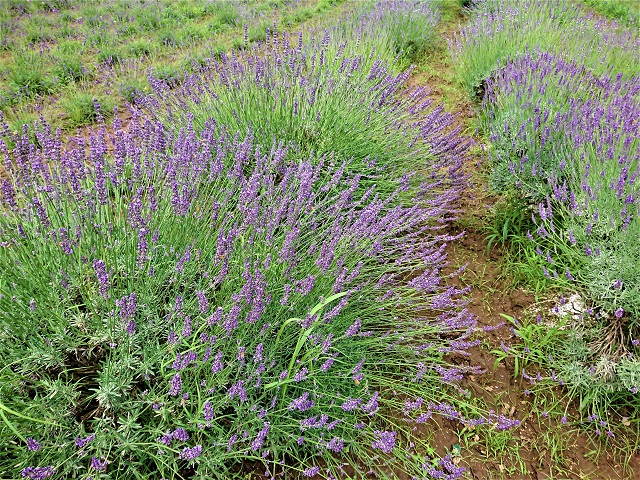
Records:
x=81, y=442
x=208, y=411
x=238, y=390
x=33, y=445
x=327, y=364
x=127, y=307
x=232, y=440
x=372, y=405
x=351, y=404
x=447, y=470
x=335, y=445
x=353, y=329
x=187, y=327
x=38, y=473
x=260, y=438
x=99, y=464
x=311, y=471
x=183, y=360
x=190, y=453
x=131, y=327
x=176, y=385
x=301, y=403
x=180, y=434
x=385, y=441
x=217, y=364
x=257, y=356
x=301, y=375
x=103, y=278
x=203, y=303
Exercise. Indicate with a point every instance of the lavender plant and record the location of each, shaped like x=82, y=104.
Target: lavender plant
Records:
x=175, y=304
x=316, y=98
x=499, y=30
x=399, y=31
x=568, y=140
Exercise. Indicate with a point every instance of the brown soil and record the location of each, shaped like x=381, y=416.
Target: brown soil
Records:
x=529, y=453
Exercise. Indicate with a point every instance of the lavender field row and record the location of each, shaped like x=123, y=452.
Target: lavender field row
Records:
x=560, y=107
x=245, y=278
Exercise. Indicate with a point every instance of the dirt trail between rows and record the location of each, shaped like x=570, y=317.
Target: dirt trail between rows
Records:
x=540, y=448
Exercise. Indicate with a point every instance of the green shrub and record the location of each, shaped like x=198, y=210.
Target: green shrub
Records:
x=55, y=5
x=225, y=13
x=109, y=56
x=148, y=19
x=19, y=7
x=258, y=33
x=36, y=34
x=70, y=47
x=132, y=89
x=168, y=74
x=299, y=15
x=138, y=48
x=626, y=11
x=66, y=31
x=191, y=34
x=167, y=38
x=127, y=30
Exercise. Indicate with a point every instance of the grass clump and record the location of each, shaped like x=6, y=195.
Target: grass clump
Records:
x=83, y=109
x=625, y=11
x=70, y=69
x=167, y=75
x=608, y=406
x=132, y=90
x=109, y=56
x=28, y=76
x=139, y=48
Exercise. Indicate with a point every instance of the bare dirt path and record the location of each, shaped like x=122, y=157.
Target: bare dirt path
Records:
x=541, y=447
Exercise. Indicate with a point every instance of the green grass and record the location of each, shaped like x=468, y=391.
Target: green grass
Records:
x=551, y=345
x=625, y=11
x=131, y=89
x=29, y=76
x=70, y=69
x=80, y=109
x=139, y=48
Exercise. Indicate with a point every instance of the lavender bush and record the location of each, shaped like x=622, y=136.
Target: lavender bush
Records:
x=318, y=99
x=567, y=140
x=499, y=30
x=401, y=31
x=175, y=304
